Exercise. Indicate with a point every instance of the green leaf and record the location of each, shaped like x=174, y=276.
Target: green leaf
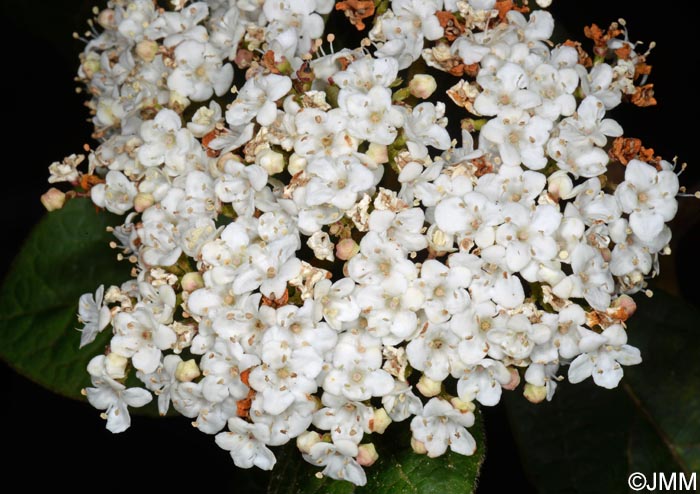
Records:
x=398, y=469
x=588, y=439
x=66, y=255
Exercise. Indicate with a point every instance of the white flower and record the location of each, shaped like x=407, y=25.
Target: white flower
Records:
x=246, y=442
x=139, y=337
x=603, y=356
x=483, y=382
x=335, y=302
x=116, y=195
x=591, y=279
x=93, y=314
x=257, y=100
x=199, y=72
x=440, y=426
x=338, y=460
x=371, y=116
x=337, y=181
x=518, y=137
x=113, y=397
x=367, y=72
x=649, y=196
x=504, y=90
x=434, y=351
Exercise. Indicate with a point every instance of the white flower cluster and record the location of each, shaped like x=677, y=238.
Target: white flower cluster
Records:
x=316, y=256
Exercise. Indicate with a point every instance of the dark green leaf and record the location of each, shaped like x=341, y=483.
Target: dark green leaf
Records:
x=590, y=439
x=66, y=255
x=398, y=470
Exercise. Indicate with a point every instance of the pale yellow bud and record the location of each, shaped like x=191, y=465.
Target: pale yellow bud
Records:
x=296, y=164
x=115, y=365
x=306, y=440
x=143, y=201
x=428, y=387
x=271, y=161
x=378, y=153
x=534, y=394
x=418, y=446
x=187, y=371
x=463, y=406
x=380, y=421
x=147, y=50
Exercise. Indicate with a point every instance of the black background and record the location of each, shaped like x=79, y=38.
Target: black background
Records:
x=64, y=443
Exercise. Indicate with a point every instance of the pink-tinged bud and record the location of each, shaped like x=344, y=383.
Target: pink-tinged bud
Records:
x=534, y=394
x=306, y=440
x=463, y=406
x=422, y=86
x=106, y=19
x=514, y=379
x=367, y=454
x=147, y=50
x=187, y=371
x=418, y=446
x=379, y=421
x=560, y=185
x=243, y=58
x=191, y=282
x=53, y=199
x=428, y=387
x=622, y=308
x=346, y=249
x=143, y=201
x=378, y=153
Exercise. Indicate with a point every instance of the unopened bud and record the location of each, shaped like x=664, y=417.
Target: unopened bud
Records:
x=422, y=86
x=306, y=440
x=147, y=50
x=115, y=365
x=418, y=446
x=296, y=164
x=514, y=379
x=271, y=161
x=106, y=19
x=379, y=421
x=560, y=185
x=367, y=454
x=543, y=4
x=378, y=153
x=463, y=406
x=428, y=387
x=346, y=249
x=535, y=394
x=143, y=201
x=192, y=281
x=187, y=371
x=53, y=199
x=622, y=308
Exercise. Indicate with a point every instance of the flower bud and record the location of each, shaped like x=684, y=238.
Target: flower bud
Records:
x=115, y=365
x=367, y=454
x=622, y=308
x=463, y=406
x=560, y=185
x=422, y=86
x=147, y=50
x=192, y=281
x=379, y=421
x=271, y=161
x=428, y=387
x=514, y=379
x=378, y=153
x=306, y=440
x=53, y=199
x=177, y=101
x=535, y=394
x=543, y=4
x=346, y=249
x=143, y=201
x=418, y=446
x=187, y=371
x=296, y=164
x=106, y=19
